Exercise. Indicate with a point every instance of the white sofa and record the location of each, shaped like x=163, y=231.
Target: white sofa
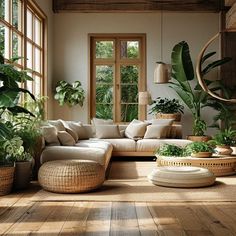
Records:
x=101, y=150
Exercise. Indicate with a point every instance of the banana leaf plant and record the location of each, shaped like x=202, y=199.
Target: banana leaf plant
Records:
x=186, y=86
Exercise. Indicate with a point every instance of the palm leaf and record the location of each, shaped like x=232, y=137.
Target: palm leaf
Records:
x=182, y=67
x=208, y=55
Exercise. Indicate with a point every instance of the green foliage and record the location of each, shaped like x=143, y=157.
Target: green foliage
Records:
x=169, y=150
x=11, y=143
x=196, y=147
x=183, y=73
x=70, y=94
x=165, y=105
x=224, y=137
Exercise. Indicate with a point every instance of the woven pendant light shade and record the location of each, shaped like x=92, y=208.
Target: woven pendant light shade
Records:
x=161, y=75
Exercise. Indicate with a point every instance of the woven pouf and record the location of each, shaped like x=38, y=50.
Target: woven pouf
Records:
x=184, y=177
x=71, y=176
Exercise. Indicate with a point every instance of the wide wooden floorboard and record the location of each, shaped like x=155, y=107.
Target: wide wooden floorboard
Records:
x=19, y=215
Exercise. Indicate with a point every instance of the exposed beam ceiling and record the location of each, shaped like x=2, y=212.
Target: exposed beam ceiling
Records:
x=137, y=5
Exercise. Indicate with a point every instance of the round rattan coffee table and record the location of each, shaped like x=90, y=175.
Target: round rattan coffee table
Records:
x=71, y=176
x=220, y=166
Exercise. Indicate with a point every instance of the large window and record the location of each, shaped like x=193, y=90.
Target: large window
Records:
x=22, y=34
x=117, y=75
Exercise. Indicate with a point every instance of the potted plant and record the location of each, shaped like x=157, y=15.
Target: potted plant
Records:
x=198, y=149
x=169, y=150
x=223, y=140
x=11, y=143
x=191, y=93
x=70, y=94
x=165, y=108
x=7, y=168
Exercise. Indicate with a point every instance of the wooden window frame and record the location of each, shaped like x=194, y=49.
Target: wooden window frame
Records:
x=117, y=61
x=37, y=12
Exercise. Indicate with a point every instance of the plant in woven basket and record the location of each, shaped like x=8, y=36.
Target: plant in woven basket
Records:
x=70, y=94
x=169, y=150
x=200, y=148
x=166, y=105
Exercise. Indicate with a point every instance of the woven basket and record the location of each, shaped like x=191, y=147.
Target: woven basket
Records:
x=6, y=179
x=174, y=116
x=71, y=176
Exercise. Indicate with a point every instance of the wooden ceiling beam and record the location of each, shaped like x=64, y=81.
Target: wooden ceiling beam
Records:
x=91, y=6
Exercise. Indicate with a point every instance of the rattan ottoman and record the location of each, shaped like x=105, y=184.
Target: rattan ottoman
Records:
x=71, y=176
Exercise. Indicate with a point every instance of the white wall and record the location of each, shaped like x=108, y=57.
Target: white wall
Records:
x=71, y=47
x=46, y=7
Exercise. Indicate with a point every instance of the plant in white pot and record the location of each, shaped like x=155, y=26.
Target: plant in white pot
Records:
x=165, y=108
x=223, y=141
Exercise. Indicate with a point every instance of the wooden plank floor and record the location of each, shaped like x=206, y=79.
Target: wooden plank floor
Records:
x=20, y=216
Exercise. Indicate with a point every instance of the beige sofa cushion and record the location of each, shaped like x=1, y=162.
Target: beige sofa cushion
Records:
x=97, y=121
x=157, y=131
x=83, y=131
x=150, y=145
x=122, y=145
x=107, y=131
x=50, y=135
x=99, y=155
x=136, y=129
x=160, y=121
x=65, y=138
x=58, y=124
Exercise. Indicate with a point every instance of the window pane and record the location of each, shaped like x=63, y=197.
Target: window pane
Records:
x=104, y=93
x=37, y=84
x=37, y=30
x=29, y=56
x=5, y=45
x=2, y=38
x=16, y=11
x=129, y=93
x=104, y=111
x=29, y=84
x=129, y=74
x=29, y=24
x=129, y=112
x=37, y=60
x=129, y=49
x=2, y=9
x=104, y=49
x=104, y=74
x=16, y=45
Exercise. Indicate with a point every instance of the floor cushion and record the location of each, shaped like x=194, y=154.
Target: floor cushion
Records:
x=186, y=177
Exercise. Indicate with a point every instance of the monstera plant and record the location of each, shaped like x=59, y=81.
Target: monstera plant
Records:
x=186, y=85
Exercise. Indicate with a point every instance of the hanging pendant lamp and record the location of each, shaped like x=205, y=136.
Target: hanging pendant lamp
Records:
x=161, y=74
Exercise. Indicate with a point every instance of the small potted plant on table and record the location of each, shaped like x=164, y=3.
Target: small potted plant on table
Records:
x=223, y=140
x=199, y=149
x=165, y=108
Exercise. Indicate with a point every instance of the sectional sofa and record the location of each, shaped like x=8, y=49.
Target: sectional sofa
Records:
x=74, y=140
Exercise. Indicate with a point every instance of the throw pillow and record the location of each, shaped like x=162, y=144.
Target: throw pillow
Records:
x=160, y=121
x=65, y=138
x=96, y=121
x=72, y=133
x=50, y=135
x=83, y=132
x=58, y=124
x=107, y=131
x=136, y=129
x=157, y=131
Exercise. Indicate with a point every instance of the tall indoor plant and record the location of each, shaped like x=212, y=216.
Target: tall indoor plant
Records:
x=187, y=87
x=11, y=143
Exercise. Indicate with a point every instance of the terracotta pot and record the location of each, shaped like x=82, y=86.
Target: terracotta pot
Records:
x=201, y=154
x=223, y=150
x=194, y=138
x=22, y=174
x=174, y=116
